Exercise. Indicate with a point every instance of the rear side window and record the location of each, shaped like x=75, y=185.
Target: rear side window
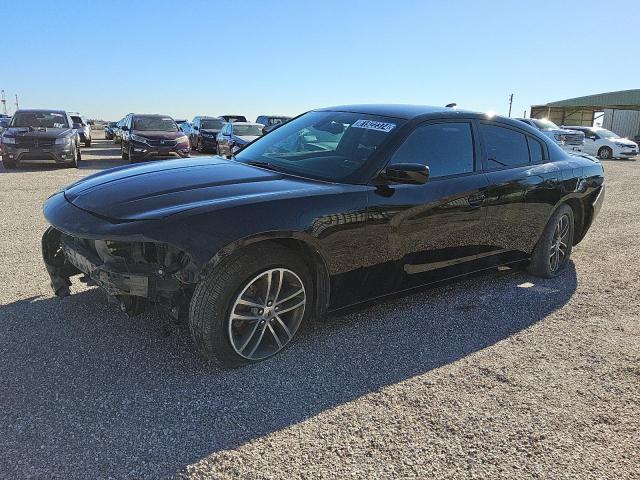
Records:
x=505, y=147
x=535, y=150
x=446, y=148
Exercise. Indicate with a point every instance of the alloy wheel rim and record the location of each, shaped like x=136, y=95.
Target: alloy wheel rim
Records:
x=559, y=243
x=266, y=314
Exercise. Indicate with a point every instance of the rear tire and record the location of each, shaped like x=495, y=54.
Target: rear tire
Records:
x=8, y=164
x=87, y=143
x=551, y=254
x=233, y=288
x=605, y=153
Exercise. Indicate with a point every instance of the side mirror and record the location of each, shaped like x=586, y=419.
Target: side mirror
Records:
x=195, y=127
x=77, y=126
x=124, y=128
x=406, y=173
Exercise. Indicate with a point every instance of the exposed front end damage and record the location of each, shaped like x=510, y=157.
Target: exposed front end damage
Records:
x=134, y=274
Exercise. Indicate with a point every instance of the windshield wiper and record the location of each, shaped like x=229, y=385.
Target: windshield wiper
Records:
x=258, y=163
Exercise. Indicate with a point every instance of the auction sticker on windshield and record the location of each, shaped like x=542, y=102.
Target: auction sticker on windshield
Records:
x=374, y=125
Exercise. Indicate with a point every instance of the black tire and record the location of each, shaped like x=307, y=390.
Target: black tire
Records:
x=8, y=164
x=76, y=157
x=125, y=156
x=542, y=261
x=87, y=143
x=605, y=153
x=214, y=297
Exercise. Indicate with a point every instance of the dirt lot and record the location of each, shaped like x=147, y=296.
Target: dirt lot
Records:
x=477, y=379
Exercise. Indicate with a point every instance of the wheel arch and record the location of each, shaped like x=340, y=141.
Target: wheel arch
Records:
x=302, y=244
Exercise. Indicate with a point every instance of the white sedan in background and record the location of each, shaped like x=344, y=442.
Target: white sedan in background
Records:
x=606, y=144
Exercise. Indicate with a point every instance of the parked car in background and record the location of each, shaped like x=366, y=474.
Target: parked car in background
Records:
x=204, y=132
x=235, y=135
x=4, y=123
x=83, y=127
x=181, y=123
x=117, y=130
x=606, y=144
x=40, y=135
x=108, y=130
x=152, y=135
x=570, y=140
x=234, y=118
x=245, y=251
x=270, y=121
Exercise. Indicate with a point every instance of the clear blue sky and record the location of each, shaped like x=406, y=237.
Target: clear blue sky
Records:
x=184, y=58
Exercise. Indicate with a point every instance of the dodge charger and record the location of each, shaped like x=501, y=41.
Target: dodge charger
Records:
x=334, y=208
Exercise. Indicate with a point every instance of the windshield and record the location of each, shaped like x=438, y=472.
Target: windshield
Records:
x=40, y=120
x=606, y=134
x=544, y=124
x=211, y=124
x=247, y=130
x=162, y=124
x=331, y=146
x=234, y=118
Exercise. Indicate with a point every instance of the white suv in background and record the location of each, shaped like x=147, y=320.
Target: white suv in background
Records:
x=569, y=140
x=85, y=127
x=606, y=144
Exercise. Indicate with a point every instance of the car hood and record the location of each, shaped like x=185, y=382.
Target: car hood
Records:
x=45, y=133
x=158, y=134
x=160, y=189
x=624, y=141
x=564, y=131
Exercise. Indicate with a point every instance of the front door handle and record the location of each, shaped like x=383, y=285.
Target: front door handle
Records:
x=476, y=200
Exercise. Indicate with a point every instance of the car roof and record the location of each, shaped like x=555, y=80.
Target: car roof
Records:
x=40, y=110
x=243, y=123
x=407, y=112
x=151, y=115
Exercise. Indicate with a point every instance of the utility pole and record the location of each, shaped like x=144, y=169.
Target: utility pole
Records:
x=4, y=102
x=17, y=102
x=510, y=103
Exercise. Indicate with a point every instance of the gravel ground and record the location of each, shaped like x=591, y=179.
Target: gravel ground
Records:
x=481, y=378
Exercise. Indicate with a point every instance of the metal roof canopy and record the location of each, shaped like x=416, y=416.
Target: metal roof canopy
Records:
x=582, y=110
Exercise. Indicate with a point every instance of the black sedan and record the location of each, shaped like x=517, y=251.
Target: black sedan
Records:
x=336, y=207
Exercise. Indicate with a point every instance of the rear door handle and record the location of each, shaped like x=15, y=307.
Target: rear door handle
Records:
x=476, y=200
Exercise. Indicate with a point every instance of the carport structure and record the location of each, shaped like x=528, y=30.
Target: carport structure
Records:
x=621, y=111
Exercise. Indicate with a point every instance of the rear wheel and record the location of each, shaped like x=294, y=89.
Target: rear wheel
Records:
x=87, y=143
x=8, y=164
x=605, y=153
x=551, y=255
x=250, y=308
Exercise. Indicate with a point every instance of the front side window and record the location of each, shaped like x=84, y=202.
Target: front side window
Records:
x=446, y=148
x=40, y=120
x=332, y=146
x=505, y=147
x=161, y=124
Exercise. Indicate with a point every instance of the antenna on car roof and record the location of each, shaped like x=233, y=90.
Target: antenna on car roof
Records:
x=451, y=105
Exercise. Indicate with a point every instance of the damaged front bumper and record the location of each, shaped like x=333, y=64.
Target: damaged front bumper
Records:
x=131, y=272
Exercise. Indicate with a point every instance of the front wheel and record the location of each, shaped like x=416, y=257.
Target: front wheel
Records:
x=551, y=255
x=251, y=308
x=605, y=153
x=87, y=143
x=123, y=154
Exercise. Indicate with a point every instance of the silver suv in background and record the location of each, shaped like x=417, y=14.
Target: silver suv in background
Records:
x=83, y=127
x=569, y=140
